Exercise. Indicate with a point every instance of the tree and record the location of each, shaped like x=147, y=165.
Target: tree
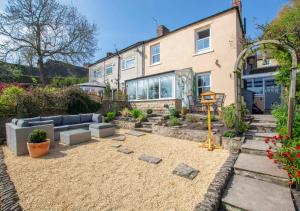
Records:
x=45, y=29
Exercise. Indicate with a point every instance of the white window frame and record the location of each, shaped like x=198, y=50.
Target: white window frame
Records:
x=210, y=81
x=152, y=55
x=196, y=41
x=112, y=69
x=125, y=67
x=159, y=94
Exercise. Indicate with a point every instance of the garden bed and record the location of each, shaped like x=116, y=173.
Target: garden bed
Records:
x=94, y=176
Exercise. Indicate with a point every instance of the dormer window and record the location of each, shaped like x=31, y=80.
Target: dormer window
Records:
x=203, y=40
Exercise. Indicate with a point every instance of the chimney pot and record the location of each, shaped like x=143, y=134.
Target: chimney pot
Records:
x=109, y=54
x=162, y=30
x=237, y=3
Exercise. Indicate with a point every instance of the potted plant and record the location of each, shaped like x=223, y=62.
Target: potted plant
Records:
x=38, y=144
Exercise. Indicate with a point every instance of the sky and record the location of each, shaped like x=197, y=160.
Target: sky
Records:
x=121, y=23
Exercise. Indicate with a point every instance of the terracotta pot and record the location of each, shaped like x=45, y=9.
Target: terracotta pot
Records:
x=38, y=149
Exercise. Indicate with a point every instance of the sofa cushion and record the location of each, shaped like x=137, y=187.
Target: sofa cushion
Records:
x=22, y=123
x=36, y=123
x=34, y=119
x=101, y=125
x=71, y=119
x=14, y=121
x=61, y=128
x=86, y=118
x=97, y=118
x=56, y=119
x=81, y=125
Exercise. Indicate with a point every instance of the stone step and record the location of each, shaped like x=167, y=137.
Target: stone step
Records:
x=243, y=193
x=147, y=124
x=154, y=119
x=264, y=118
x=145, y=130
x=261, y=168
x=263, y=127
x=255, y=146
x=254, y=134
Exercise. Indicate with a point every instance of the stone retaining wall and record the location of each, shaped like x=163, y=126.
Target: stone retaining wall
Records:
x=180, y=133
x=9, y=199
x=213, y=196
x=158, y=106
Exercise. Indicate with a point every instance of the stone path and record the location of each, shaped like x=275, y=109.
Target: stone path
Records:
x=183, y=170
x=150, y=159
x=125, y=151
x=135, y=133
x=119, y=138
x=258, y=183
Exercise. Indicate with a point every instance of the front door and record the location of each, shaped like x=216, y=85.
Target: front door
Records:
x=272, y=94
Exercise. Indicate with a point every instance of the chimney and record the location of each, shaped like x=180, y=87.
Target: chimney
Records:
x=162, y=30
x=237, y=3
x=109, y=54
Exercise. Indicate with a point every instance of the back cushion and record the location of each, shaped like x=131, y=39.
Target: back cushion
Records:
x=34, y=119
x=56, y=119
x=36, y=123
x=71, y=119
x=86, y=118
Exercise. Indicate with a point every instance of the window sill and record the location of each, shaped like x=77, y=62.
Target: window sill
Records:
x=204, y=52
x=127, y=68
x=155, y=64
x=151, y=100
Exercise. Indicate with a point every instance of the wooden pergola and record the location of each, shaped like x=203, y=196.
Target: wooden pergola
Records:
x=238, y=70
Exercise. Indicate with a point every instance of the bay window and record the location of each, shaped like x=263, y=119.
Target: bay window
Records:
x=152, y=88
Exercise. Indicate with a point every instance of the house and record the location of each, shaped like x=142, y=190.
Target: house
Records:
x=261, y=92
x=175, y=64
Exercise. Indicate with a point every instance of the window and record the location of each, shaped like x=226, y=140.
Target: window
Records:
x=203, y=40
x=155, y=54
x=152, y=88
x=266, y=62
x=109, y=70
x=131, y=90
x=204, y=83
x=127, y=63
x=97, y=74
x=166, y=87
x=142, y=87
x=254, y=85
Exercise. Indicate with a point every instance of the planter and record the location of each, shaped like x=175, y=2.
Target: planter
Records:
x=38, y=149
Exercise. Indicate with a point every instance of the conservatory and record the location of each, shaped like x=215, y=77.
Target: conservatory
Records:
x=168, y=89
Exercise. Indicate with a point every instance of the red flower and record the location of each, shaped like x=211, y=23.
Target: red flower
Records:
x=297, y=147
x=279, y=137
x=287, y=137
x=298, y=155
x=291, y=159
x=267, y=140
x=298, y=173
x=275, y=161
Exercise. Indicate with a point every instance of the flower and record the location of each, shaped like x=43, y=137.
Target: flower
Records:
x=267, y=140
x=287, y=137
x=298, y=173
x=297, y=147
x=279, y=137
x=298, y=155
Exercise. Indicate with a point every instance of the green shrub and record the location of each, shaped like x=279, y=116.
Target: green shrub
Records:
x=173, y=112
x=77, y=101
x=142, y=117
x=10, y=94
x=110, y=116
x=229, y=134
x=149, y=111
x=174, y=121
x=191, y=118
x=212, y=118
x=281, y=115
x=242, y=127
x=229, y=116
x=135, y=113
x=37, y=136
x=67, y=81
x=107, y=90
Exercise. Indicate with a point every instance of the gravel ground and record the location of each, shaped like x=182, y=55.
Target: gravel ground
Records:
x=94, y=176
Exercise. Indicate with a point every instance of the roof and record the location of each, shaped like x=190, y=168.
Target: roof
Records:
x=180, y=28
x=93, y=84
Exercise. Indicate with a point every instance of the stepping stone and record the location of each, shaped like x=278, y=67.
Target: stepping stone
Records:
x=135, y=133
x=185, y=171
x=116, y=146
x=150, y=159
x=257, y=147
x=243, y=193
x=125, y=151
x=261, y=135
x=119, y=138
x=260, y=167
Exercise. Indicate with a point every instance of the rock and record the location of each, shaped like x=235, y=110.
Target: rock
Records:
x=150, y=159
x=116, y=146
x=185, y=171
x=119, y=138
x=125, y=151
x=135, y=133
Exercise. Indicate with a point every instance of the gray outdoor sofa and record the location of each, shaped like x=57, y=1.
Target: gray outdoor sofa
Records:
x=18, y=130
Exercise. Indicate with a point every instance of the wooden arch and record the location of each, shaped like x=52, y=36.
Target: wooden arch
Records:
x=238, y=69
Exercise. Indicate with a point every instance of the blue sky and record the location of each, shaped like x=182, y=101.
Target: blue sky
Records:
x=124, y=22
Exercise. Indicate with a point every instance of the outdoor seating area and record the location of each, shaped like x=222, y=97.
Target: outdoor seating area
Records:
x=118, y=174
